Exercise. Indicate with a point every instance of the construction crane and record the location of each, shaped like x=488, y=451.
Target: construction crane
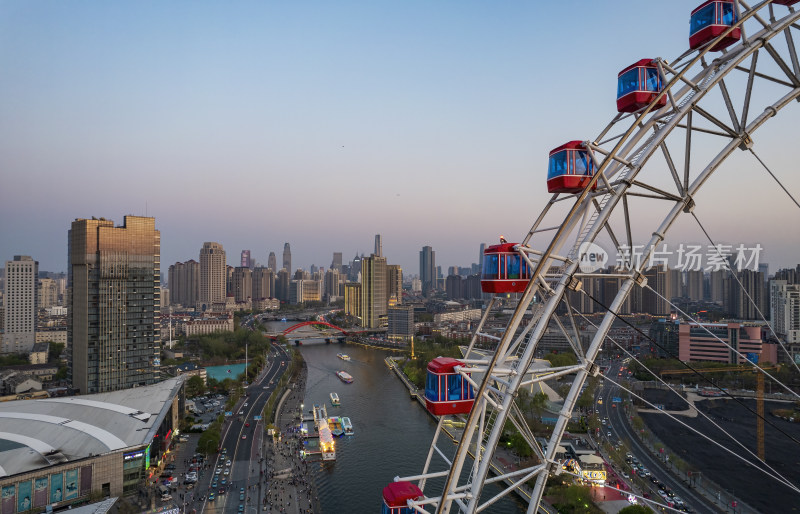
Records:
x=759, y=392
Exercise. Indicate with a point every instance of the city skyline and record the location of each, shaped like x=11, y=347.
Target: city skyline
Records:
x=441, y=112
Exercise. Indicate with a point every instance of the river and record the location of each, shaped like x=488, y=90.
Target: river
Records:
x=392, y=432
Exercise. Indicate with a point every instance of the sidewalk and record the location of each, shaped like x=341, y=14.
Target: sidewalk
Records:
x=289, y=484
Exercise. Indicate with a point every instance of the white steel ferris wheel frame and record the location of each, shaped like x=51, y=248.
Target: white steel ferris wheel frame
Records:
x=687, y=81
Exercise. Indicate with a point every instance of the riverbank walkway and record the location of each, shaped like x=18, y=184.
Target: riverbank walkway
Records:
x=289, y=484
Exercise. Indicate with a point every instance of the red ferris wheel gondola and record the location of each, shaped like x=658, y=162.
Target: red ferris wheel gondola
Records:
x=570, y=168
x=447, y=392
x=638, y=85
x=711, y=19
x=504, y=270
x=395, y=496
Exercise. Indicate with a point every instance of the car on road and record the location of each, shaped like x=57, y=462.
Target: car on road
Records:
x=211, y=496
x=214, y=484
x=227, y=472
x=228, y=463
x=241, y=412
x=241, y=508
x=247, y=424
x=245, y=404
x=244, y=436
x=218, y=471
x=224, y=481
x=221, y=491
x=609, y=434
x=241, y=497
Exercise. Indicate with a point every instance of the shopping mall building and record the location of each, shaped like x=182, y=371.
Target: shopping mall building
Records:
x=60, y=451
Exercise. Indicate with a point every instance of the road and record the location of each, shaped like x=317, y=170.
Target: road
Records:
x=621, y=430
x=242, y=437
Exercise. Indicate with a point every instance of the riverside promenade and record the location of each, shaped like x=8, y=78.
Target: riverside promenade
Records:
x=289, y=484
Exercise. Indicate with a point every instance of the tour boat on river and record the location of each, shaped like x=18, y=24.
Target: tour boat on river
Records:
x=344, y=377
x=343, y=356
x=347, y=426
x=334, y=399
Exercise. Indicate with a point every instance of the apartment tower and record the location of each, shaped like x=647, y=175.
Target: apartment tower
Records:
x=213, y=275
x=21, y=304
x=114, y=301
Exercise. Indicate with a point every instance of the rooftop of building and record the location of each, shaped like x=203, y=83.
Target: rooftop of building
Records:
x=44, y=346
x=48, y=431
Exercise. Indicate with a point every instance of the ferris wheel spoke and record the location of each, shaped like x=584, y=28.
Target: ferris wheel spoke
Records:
x=791, y=75
x=792, y=51
x=749, y=89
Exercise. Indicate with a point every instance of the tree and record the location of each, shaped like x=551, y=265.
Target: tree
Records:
x=558, y=360
x=636, y=509
x=54, y=352
x=195, y=386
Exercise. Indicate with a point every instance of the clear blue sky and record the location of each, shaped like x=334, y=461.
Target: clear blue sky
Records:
x=324, y=123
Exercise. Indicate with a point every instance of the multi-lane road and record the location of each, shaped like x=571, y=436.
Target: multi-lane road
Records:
x=242, y=437
x=620, y=430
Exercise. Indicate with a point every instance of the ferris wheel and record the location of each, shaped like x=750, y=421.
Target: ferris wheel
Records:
x=669, y=137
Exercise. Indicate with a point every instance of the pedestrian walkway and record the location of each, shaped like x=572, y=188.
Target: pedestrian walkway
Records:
x=290, y=486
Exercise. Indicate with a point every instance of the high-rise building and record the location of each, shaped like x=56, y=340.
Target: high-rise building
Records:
x=400, y=323
x=352, y=299
x=785, y=314
x=394, y=283
x=331, y=284
x=675, y=283
x=282, y=285
x=242, y=284
x=747, y=296
x=263, y=283
x=453, y=287
x=658, y=280
x=694, y=284
x=272, y=262
x=21, y=304
x=48, y=293
x=374, y=300
x=287, y=257
x=245, y=261
x=213, y=275
x=184, y=283
x=114, y=276
x=336, y=263
x=427, y=270
x=378, y=246
x=717, y=286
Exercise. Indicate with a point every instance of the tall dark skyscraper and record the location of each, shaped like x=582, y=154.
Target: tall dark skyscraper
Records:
x=245, y=260
x=427, y=269
x=336, y=263
x=378, y=246
x=272, y=262
x=114, y=276
x=287, y=258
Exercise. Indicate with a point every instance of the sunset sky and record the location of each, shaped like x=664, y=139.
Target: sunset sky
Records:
x=324, y=123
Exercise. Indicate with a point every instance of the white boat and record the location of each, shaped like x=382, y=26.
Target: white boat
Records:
x=347, y=426
x=345, y=377
x=334, y=399
x=343, y=356
x=320, y=413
